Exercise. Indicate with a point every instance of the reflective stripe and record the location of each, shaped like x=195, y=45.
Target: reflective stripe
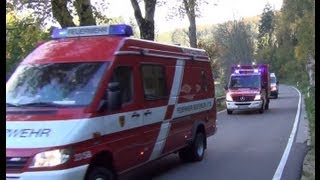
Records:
x=166, y=125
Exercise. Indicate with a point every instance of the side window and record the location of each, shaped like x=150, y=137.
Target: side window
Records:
x=154, y=82
x=123, y=75
x=204, y=80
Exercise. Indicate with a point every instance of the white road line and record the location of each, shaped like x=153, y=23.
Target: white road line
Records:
x=278, y=173
x=222, y=111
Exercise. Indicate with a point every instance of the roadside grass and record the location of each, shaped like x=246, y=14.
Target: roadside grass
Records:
x=308, y=171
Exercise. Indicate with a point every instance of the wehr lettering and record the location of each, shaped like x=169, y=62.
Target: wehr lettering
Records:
x=25, y=133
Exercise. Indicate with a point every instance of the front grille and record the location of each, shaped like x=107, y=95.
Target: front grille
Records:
x=16, y=163
x=243, y=98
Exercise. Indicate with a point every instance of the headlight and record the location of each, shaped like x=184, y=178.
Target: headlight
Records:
x=257, y=97
x=228, y=97
x=51, y=158
x=273, y=88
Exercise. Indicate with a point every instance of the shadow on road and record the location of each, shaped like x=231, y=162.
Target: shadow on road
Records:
x=154, y=169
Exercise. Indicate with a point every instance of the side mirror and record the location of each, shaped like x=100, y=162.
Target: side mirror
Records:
x=114, y=96
x=277, y=82
x=226, y=87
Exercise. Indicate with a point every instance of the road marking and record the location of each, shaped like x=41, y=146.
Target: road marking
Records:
x=221, y=111
x=284, y=158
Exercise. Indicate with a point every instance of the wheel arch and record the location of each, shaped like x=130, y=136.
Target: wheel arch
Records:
x=199, y=126
x=104, y=159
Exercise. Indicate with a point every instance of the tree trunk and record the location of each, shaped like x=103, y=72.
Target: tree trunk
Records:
x=190, y=10
x=84, y=11
x=146, y=25
x=310, y=69
x=61, y=14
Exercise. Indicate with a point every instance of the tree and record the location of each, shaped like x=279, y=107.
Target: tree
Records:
x=63, y=11
x=191, y=8
x=266, y=27
x=22, y=36
x=180, y=36
x=235, y=39
x=146, y=24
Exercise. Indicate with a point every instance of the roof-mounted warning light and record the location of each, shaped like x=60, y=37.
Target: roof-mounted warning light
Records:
x=82, y=31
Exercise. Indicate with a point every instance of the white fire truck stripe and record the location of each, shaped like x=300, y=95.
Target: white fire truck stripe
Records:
x=166, y=125
x=177, y=80
x=38, y=134
x=184, y=109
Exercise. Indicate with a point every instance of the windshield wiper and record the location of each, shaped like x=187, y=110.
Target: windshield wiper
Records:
x=40, y=104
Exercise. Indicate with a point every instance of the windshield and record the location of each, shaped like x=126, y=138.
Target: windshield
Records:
x=67, y=84
x=252, y=81
x=273, y=79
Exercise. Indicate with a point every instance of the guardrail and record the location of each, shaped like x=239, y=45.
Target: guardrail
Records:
x=220, y=99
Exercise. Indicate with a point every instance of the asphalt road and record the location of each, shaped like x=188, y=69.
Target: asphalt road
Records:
x=247, y=146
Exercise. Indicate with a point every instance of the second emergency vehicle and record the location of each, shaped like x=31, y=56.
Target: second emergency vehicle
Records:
x=93, y=103
x=248, y=88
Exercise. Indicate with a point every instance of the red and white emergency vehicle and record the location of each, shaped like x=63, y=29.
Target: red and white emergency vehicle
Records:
x=94, y=103
x=248, y=88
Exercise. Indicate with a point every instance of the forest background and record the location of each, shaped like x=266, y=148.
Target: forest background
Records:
x=284, y=39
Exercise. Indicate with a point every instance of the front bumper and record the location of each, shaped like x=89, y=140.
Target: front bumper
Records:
x=65, y=174
x=274, y=93
x=248, y=105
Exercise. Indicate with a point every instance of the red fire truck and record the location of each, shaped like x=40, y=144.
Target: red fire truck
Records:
x=93, y=103
x=248, y=88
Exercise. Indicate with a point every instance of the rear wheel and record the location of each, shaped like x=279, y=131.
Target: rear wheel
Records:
x=100, y=173
x=229, y=111
x=195, y=152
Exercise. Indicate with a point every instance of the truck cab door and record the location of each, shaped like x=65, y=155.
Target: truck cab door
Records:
x=155, y=100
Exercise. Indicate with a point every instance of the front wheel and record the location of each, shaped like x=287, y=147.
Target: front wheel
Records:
x=229, y=111
x=100, y=173
x=261, y=110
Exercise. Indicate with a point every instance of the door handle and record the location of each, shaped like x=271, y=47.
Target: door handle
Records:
x=135, y=114
x=147, y=113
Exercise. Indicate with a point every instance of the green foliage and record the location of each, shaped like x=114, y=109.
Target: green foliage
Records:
x=266, y=27
x=22, y=36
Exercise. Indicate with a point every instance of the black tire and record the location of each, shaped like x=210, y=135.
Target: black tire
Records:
x=276, y=96
x=261, y=110
x=100, y=173
x=194, y=152
x=229, y=111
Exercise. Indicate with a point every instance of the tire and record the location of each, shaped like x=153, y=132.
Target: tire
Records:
x=276, y=96
x=100, y=173
x=261, y=110
x=195, y=152
x=229, y=111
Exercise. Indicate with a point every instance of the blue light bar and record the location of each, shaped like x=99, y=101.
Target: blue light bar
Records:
x=84, y=31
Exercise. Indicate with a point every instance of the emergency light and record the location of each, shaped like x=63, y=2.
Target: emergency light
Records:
x=83, y=31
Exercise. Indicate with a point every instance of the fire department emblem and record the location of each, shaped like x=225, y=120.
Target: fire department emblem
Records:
x=122, y=121
x=242, y=98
